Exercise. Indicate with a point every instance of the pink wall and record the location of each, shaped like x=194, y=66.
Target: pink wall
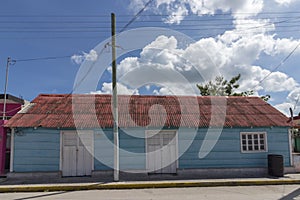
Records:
x=11, y=109
x=2, y=147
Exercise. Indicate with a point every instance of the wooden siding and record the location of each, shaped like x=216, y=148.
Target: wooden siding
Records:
x=39, y=150
x=36, y=150
x=132, y=149
x=227, y=151
x=104, y=152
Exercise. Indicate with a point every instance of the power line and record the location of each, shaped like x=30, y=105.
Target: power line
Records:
x=52, y=27
x=42, y=58
x=292, y=22
x=86, y=34
x=121, y=21
x=159, y=15
x=11, y=110
x=78, y=83
x=61, y=57
x=104, y=29
x=137, y=15
x=279, y=65
x=178, y=29
x=51, y=38
x=296, y=102
x=133, y=20
x=56, y=31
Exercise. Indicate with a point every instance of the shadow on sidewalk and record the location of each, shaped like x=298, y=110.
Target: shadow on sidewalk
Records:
x=40, y=196
x=108, y=178
x=292, y=195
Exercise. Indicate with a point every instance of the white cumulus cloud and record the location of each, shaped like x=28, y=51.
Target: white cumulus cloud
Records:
x=122, y=89
x=237, y=50
x=292, y=101
x=91, y=56
x=285, y=2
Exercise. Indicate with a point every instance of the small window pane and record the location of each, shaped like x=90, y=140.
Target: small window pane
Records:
x=261, y=136
x=262, y=147
x=244, y=137
x=256, y=147
x=262, y=141
x=250, y=148
x=244, y=148
x=249, y=137
x=255, y=136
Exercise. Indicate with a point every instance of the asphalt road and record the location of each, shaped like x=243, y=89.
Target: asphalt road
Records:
x=282, y=192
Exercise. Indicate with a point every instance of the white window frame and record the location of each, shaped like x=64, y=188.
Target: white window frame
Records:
x=252, y=138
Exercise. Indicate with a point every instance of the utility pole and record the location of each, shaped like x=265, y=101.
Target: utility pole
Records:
x=115, y=98
x=5, y=88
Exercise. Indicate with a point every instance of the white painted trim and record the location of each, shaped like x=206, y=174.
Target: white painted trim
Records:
x=12, y=147
x=177, y=149
x=254, y=151
x=146, y=151
x=93, y=151
x=291, y=148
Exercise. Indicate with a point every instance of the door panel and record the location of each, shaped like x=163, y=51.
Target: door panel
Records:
x=77, y=160
x=80, y=161
x=69, y=162
x=161, y=151
x=88, y=163
x=155, y=158
x=69, y=154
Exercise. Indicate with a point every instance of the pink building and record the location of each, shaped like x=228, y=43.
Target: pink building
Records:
x=13, y=105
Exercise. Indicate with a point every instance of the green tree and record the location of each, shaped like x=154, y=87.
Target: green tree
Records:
x=223, y=87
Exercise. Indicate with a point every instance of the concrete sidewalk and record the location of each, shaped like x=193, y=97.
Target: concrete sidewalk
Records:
x=287, y=179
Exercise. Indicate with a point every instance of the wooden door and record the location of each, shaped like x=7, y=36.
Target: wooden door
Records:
x=77, y=159
x=162, y=152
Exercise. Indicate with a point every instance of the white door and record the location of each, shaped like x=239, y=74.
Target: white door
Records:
x=162, y=152
x=77, y=148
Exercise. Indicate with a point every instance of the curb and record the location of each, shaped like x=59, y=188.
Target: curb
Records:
x=141, y=185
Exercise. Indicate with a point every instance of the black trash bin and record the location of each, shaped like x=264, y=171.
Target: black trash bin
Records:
x=275, y=165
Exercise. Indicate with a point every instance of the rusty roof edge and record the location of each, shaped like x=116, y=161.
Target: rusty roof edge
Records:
x=43, y=99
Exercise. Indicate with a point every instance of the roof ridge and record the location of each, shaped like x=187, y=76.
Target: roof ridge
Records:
x=136, y=95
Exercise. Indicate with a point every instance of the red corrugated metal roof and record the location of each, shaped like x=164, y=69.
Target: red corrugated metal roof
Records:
x=92, y=111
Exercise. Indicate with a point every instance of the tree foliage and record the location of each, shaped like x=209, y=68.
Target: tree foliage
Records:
x=223, y=87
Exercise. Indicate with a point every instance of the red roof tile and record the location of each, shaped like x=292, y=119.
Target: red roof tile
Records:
x=70, y=111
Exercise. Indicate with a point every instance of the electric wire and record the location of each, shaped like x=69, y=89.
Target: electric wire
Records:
x=42, y=58
x=12, y=110
x=136, y=16
x=208, y=27
x=148, y=14
x=61, y=57
x=277, y=67
x=134, y=19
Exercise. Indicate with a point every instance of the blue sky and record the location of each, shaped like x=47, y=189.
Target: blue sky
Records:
x=250, y=37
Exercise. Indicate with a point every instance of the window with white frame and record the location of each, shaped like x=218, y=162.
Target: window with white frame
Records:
x=253, y=142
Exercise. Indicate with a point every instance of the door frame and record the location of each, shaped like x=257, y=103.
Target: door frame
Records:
x=61, y=148
x=147, y=132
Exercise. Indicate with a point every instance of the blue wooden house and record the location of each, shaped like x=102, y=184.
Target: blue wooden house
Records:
x=72, y=135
